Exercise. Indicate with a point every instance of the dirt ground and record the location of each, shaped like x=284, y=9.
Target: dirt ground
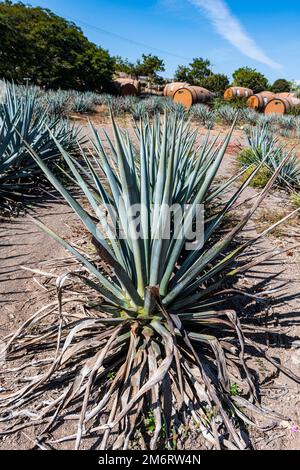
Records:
x=21, y=292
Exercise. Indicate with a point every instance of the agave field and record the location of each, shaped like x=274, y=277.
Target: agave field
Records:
x=153, y=327
x=24, y=120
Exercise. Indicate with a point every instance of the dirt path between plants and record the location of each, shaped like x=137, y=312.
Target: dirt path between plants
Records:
x=21, y=294
x=279, y=310
x=22, y=243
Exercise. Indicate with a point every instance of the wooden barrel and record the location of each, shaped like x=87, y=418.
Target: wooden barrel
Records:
x=190, y=95
x=127, y=86
x=260, y=100
x=171, y=88
x=281, y=105
x=287, y=94
x=237, y=92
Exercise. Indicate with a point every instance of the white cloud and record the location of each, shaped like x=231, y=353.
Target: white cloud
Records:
x=228, y=26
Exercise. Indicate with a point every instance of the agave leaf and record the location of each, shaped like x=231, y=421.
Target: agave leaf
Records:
x=86, y=219
x=130, y=198
x=176, y=247
x=221, y=246
x=110, y=287
x=24, y=118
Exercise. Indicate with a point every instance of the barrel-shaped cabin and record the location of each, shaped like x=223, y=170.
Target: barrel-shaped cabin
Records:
x=190, y=95
x=171, y=88
x=127, y=86
x=237, y=92
x=260, y=100
x=282, y=105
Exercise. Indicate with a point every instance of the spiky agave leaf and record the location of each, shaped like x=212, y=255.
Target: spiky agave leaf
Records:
x=263, y=146
x=119, y=104
x=287, y=122
x=82, y=102
x=227, y=114
x=249, y=116
x=163, y=334
x=204, y=114
x=58, y=102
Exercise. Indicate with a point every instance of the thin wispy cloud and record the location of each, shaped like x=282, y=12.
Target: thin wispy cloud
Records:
x=228, y=26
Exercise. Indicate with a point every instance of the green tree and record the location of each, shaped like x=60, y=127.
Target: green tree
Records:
x=281, y=85
x=51, y=51
x=149, y=66
x=250, y=78
x=182, y=74
x=200, y=69
x=217, y=83
x=195, y=73
x=123, y=65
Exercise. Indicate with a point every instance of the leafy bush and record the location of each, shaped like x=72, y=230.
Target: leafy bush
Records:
x=295, y=200
x=237, y=103
x=216, y=83
x=294, y=111
x=261, y=178
x=250, y=78
x=281, y=85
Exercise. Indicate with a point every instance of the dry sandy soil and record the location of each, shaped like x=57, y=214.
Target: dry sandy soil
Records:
x=22, y=293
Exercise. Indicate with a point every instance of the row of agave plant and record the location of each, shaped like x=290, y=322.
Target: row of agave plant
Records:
x=201, y=113
x=207, y=116
x=23, y=118
x=61, y=102
x=264, y=148
x=159, y=335
x=64, y=102
x=286, y=125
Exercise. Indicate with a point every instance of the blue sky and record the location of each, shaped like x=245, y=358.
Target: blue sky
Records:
x=262, y=33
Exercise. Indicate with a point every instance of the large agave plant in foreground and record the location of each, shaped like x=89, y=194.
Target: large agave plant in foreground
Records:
x=157, y=338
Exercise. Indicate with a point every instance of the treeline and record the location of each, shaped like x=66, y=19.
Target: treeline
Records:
x=36, y=44
x=48, y=50
x=199, y=72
